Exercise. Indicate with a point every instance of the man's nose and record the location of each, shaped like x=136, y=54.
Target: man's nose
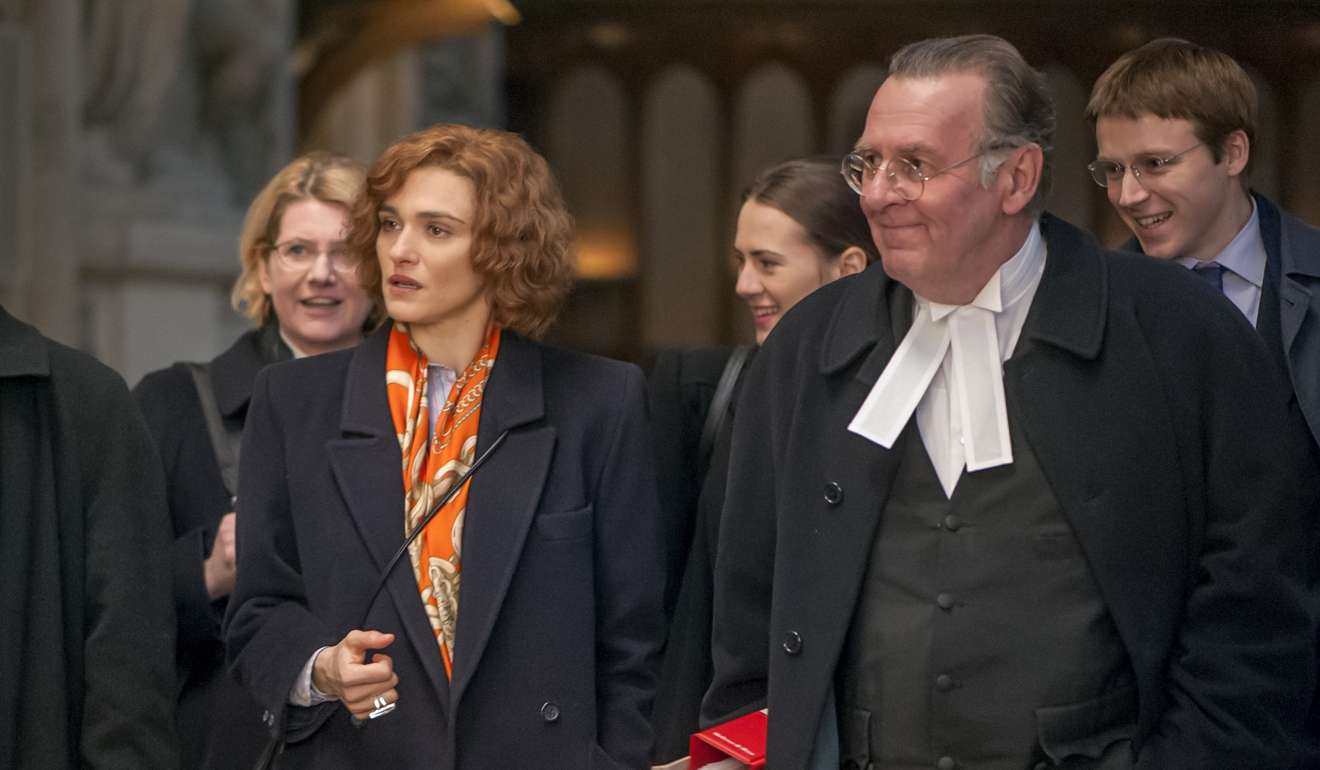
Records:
x=879, y=191
x=1131, y=191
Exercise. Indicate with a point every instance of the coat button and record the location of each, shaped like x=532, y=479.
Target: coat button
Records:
x=549, y=712
x=952, y=523
x=946, y=763
x=833, y=493
x=945, y=601
x=944, y=683
x=792, y=643
x=1040, y=766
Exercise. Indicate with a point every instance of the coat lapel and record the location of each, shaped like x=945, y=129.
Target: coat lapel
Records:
x=366, y=463
x=233, y=371
x=1299, y=300
x=834, y=548
x=503, y=499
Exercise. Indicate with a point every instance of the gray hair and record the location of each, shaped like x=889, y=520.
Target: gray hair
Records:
x=1018, y=108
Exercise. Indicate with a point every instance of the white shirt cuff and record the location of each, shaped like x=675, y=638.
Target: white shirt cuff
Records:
x=304, y=693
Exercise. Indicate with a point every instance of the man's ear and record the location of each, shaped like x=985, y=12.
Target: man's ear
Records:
x=852, y=260
x=1020, y=177
x=1236, y=152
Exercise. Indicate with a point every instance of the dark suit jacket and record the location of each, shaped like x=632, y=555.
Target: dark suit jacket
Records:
x=559, y=620
x=86, y=620
x=1293, y=247
x=1156, y=417
x=219, y=724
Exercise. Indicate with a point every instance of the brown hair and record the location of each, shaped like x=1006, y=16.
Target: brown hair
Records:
x=1172, y=78
x=813, y=193
x=322, y=176
x=1017, y=107
x=522, y=233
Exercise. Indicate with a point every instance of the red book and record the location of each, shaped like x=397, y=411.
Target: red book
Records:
x=741, y=739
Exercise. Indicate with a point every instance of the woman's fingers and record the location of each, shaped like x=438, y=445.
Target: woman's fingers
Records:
x=373, y=674
x=343, y=667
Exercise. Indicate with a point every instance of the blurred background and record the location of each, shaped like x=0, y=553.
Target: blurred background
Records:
x=134, y=132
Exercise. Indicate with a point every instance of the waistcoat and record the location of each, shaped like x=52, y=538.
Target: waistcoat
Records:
x=975, y=613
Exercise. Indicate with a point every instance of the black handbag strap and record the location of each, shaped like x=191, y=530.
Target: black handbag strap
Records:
x=421, y=525
x=719, y=403
x=275, y=746
x=224, y=441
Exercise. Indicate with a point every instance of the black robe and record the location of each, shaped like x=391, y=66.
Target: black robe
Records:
x=86, y=616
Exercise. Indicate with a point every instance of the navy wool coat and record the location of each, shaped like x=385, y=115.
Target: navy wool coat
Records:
x=559, y=618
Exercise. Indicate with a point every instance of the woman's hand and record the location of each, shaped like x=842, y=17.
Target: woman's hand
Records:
x=342, y=672
x=220, y=568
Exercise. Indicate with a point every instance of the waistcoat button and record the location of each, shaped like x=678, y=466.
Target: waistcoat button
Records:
x=833, y=493
x=944, y=683
x=952, y=523
x=549, y=712
x=945, y=601
x=946, y=763
x=792, y=643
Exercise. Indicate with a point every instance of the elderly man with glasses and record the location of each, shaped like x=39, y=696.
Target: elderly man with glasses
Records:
x=1011, y=501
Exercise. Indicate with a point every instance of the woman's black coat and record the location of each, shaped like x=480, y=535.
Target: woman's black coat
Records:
x=218, y=722
x=683, y=385
x=559, y=618
x=86, y=621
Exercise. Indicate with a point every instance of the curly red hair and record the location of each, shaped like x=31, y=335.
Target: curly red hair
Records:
x=522, y=232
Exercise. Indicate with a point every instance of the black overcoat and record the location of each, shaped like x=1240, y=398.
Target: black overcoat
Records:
x=559, y=617
x=219, y=723
x=682, y=386
x=86, y=616
x=1162, y=429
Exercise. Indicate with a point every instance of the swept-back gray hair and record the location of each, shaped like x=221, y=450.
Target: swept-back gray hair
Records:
x=1018, y=109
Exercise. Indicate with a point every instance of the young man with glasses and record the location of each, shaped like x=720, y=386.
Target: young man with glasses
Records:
x=969, y=521
x=1175, y=124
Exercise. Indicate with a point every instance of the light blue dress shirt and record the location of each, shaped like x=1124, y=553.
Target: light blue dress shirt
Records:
x=1243, y=260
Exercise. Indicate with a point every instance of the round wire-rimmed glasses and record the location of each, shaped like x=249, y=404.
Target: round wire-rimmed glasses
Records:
x=902, y=174
x=297, y=255
x=1110, y=172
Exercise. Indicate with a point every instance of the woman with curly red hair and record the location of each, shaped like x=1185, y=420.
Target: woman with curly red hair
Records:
x=521, y=628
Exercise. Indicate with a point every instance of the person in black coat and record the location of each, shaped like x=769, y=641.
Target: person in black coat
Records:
x=799, y=228
x=1113, y=594
x=520, y=628
x=299, y=287
x=1176, y=130
x=86, y=678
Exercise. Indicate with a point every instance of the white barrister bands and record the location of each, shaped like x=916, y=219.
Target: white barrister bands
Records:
x=966, y=344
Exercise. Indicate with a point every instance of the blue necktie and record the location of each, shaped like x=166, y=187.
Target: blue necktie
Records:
x=1212, y=274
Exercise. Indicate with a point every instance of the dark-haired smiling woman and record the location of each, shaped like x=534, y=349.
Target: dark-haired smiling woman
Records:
x=521, y=627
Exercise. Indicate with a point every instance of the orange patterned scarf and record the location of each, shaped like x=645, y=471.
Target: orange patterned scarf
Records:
x=429, y=472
